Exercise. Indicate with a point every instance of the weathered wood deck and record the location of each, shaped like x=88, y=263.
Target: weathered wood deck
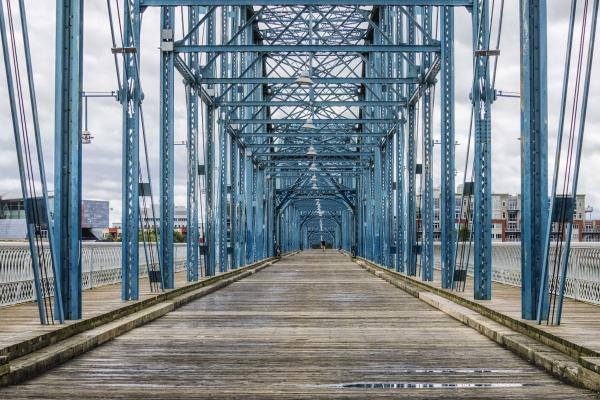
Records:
x=580, y=322
x=21, y=322
x=303, y=328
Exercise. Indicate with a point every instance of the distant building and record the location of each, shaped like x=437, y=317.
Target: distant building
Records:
x=94, y=218
x=149, y=218
x=506, y=217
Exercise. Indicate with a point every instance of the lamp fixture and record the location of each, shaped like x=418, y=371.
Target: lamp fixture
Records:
x=308, y=124
x=303, y=78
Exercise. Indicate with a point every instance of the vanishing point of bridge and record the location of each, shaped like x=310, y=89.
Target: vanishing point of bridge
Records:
x=310, y=268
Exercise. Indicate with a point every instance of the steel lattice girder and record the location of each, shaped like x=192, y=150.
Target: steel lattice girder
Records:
x=357, y=103
x=456, y=3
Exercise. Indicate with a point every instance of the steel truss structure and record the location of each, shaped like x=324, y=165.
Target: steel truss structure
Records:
x=310, y=129
x=305, y=123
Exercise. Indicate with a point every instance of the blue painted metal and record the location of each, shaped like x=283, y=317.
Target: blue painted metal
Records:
x=534, y=155
x=377, y=192
x=427, y=181
x=482, y=97
x=67, y=159
x=456, y=3
x=235, y=204
x=398, y=48
x=130, y=98
x=209, y=162
x=448, y=161
x=249, y=203
x=259, y=226
x=167, y=145
x=221, y=163
x=192, y=93
x=400, y=211
x=411, y=227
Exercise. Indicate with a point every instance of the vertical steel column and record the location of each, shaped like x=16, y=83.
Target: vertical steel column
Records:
x=131, y=98
x=369, y=230
x=167, y=145
x=209, y=155
x=249, y=199
x=260, y=214
x=427, y=195
x=360, y=217
x=411, y=209
x=388, y=204
x=235, y=198
x=377, y=201
x=225, y=71
x=400, y=221
x=534, y=155
x=482, y=97
x=192, y=155
x=67, y=175
x=222, y=199
x=400, y=160
x=234, y=165
x=448, y=162
x=270, y=217
x=243, y=213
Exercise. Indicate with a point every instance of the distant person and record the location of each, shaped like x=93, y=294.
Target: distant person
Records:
x=323, y=245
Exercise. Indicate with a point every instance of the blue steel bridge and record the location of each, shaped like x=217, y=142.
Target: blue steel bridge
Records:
x=307, y=125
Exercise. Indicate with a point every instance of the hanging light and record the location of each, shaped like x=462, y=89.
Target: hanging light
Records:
x=311, y=151
x=304, y=78
x=86, y=137
x=313, y=178
x=308, y=124
x=312, y=167
x=314, y=186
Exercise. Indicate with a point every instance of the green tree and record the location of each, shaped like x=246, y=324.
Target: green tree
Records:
x=178, y=237
x=464, y=234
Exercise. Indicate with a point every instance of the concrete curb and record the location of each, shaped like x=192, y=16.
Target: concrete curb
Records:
x=54, y=348
x=578, y=371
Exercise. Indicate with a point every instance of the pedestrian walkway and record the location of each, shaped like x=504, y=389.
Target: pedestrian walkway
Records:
x=314, y=325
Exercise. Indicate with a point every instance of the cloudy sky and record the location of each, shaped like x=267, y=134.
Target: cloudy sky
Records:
x=102, y=158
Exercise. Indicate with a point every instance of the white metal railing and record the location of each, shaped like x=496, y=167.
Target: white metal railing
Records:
x=101, y=265
x=583, y=276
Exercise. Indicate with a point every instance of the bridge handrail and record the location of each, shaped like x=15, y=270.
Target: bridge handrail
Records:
x=583, y=277
x=101, y=265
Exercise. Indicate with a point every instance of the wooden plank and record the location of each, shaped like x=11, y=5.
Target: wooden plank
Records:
x=20, y=322
x=302, y=328
x=580, y=322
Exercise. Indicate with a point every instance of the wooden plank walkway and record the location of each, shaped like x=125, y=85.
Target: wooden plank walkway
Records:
x=580, y=322
x=314, y=325
x=21, y=322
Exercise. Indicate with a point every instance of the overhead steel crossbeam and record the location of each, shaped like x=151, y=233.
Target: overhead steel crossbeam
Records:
x=456, y=3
